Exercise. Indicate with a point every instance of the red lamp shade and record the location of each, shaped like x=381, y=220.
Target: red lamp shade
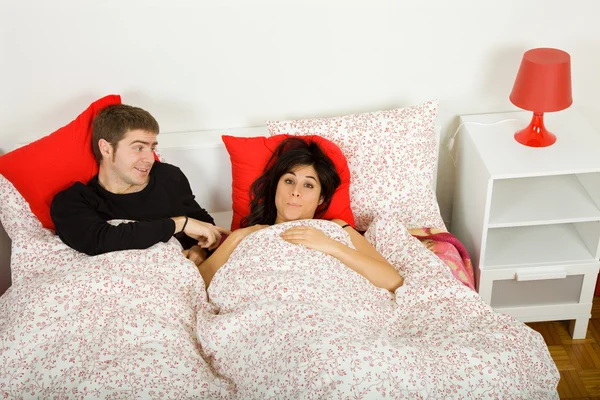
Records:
x=543, y=84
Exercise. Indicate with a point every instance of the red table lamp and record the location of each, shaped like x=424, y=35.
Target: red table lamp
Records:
x=543, y=84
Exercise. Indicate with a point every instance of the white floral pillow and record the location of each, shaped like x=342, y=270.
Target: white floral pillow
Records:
x=391, y=155
x=15, y=214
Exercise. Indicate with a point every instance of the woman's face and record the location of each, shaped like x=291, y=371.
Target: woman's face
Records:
x=298, y=194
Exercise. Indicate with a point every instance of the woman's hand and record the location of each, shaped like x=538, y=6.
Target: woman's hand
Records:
x=310, y=237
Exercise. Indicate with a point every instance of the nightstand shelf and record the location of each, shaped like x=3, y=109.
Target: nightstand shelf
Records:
x=530, y=217
x=544, y=200
x=544, y=244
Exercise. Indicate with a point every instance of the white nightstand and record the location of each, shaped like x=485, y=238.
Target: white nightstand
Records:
x=530, y=217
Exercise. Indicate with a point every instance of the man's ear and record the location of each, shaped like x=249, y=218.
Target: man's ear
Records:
x=106, y=148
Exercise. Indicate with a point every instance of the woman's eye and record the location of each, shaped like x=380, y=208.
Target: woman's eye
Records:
x=289, y=181
x=309, y=185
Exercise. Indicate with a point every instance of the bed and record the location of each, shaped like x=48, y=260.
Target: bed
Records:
x=282, y=321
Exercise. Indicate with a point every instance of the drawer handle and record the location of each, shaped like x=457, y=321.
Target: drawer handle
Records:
x=538, y=274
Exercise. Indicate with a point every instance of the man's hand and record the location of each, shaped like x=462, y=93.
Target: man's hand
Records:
x=211, y=240
x=207, y=235
x=196, y=254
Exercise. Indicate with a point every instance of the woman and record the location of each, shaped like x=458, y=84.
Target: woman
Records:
x=298, y=183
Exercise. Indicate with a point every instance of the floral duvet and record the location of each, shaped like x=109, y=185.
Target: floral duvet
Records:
x=291, y=322
x=283, y=322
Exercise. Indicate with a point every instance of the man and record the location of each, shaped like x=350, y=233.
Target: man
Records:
x=131, y=185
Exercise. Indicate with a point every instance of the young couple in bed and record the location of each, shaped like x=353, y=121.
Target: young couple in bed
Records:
x=298, y=183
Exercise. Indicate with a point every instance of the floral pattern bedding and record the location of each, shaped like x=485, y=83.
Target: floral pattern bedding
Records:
x=290, y=322
x=120, y=325
x=283, y=321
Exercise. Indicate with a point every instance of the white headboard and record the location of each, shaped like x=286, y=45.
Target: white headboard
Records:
x=204, y=160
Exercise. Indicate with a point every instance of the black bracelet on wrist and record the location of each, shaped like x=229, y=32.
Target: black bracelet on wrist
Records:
x=184, y=224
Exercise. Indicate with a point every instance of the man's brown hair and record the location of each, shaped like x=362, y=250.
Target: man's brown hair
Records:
x=113, y=122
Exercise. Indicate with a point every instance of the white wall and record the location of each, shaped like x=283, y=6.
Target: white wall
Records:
x=199, y=64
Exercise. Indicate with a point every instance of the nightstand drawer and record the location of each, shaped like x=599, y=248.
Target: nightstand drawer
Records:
x=515, y=293
x=542, y=292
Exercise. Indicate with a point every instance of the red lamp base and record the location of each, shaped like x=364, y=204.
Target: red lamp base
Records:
x=536, y=134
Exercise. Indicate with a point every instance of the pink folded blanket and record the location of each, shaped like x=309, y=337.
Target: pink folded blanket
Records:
x=448, y=248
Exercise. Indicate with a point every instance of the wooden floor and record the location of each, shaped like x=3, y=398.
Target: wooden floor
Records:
x=577, y=360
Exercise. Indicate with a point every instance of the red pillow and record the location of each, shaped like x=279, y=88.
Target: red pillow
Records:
x=249, y=156
x=45, y=167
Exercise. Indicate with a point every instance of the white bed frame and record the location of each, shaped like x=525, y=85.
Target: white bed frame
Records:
x=202, y=156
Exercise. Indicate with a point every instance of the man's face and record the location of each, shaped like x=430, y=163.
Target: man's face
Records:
x=130, y=161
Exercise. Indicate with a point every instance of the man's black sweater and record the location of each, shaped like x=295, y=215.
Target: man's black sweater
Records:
x=80, y=213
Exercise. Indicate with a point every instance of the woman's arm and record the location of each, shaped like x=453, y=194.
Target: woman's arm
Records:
x=211, y=265
x=365, y=260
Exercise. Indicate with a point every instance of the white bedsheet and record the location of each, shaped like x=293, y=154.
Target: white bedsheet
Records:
x=290, y=322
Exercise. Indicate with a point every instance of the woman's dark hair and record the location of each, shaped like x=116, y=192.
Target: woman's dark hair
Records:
x=291, y=153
